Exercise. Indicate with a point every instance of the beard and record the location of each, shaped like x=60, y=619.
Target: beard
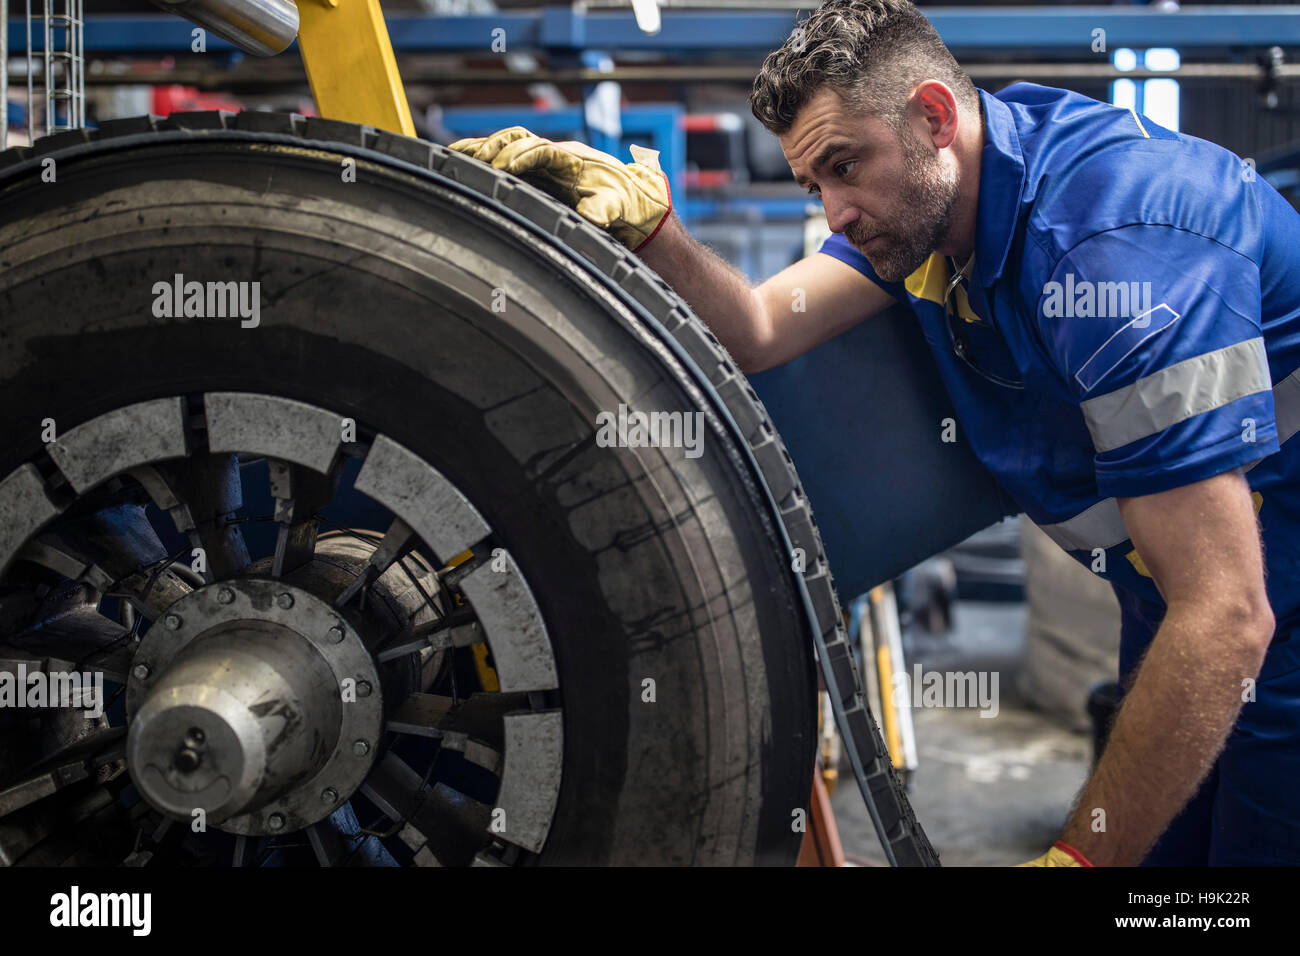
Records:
x=926, y=199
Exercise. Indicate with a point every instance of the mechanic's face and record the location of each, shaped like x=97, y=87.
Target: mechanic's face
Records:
x=889, y=193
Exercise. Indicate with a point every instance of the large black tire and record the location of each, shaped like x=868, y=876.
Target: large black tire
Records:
x=378, y=303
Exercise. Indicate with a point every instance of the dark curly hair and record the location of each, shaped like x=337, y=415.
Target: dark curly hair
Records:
x=872, y=52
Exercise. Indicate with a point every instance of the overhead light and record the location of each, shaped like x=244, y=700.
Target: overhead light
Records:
x=647, y=15
x=1162, y=58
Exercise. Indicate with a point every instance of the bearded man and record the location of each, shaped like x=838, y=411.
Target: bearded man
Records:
x=1114, y=309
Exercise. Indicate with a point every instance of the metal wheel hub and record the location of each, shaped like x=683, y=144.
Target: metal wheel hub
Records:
x=282, y=690
x=256, y=703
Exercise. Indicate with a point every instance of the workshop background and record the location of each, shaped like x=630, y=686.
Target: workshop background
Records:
x=674, y=76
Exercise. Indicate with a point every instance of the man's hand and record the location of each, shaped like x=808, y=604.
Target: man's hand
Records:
x=1201, y=545
x=629, y=200
x=1061, y=854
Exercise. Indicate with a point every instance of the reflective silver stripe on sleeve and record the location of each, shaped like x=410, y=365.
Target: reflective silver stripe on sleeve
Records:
x=1101, y=525
x=1174, y=394
x=1098, y=527
x=1286, y=411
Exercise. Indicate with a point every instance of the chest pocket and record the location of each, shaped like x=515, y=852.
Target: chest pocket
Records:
x=988, y=351
x=977, y=342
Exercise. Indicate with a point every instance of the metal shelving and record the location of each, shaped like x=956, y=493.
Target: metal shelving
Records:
x=54, y=66
x=965, y=29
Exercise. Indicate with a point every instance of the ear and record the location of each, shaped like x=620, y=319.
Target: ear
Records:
x=933, y=110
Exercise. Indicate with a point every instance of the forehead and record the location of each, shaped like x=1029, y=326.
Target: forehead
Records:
x=821, y=125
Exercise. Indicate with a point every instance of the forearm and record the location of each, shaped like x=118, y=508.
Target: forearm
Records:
x=718, y=293
x=1167, y=735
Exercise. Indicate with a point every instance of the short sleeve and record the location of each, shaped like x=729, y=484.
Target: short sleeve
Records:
x=839, y=247
x=1156, y=332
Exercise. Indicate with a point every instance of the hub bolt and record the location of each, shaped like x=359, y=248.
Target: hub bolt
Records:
x=275, y=821
x=225, y=596
x=284, y=600
x=329, y=796
x=336, y=634
x=173, y=621
x=187, y=761
x=361, y=748
x=140, y=671
x=363, y=688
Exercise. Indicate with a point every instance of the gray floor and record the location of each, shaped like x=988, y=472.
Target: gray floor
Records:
x=989, y=791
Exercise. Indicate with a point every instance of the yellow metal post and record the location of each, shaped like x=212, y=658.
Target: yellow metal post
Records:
x=350, y=64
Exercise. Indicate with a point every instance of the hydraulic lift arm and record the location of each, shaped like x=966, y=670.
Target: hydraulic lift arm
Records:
x=345, y=48
x=350, y=64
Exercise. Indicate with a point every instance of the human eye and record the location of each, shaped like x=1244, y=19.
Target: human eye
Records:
x=840, y=166
x=814, y=191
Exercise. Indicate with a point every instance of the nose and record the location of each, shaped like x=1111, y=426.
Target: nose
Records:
x=839, y=214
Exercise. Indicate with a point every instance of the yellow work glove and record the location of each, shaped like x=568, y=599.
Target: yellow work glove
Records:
x=1061, y=854
x=629, y=200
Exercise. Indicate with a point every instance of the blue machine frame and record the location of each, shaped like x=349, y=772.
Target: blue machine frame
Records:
x=1061, y=29
x=861, y=416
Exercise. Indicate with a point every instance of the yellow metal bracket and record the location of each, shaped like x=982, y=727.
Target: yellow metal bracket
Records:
x=350, y=64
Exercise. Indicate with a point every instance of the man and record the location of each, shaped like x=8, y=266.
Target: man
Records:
x=1115, y=311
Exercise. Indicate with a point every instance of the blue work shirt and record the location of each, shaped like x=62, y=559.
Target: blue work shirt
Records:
x=1135, y=294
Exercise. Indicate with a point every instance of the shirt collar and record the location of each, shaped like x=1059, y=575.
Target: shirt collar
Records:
x=1002, y=181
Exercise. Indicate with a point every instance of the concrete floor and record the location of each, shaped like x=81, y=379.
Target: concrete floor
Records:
x=989, y=791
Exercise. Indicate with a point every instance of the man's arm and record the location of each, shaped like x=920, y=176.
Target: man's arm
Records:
x=797, y=309
x=787, y=315
x=1201, y=544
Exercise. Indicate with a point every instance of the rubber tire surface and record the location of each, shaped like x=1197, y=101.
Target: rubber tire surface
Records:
x=378, y=303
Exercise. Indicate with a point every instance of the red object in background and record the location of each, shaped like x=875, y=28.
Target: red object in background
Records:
x=708, y=178
x=715, y=150
x=184, y=99
x=821, y=841
x=705, y=123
